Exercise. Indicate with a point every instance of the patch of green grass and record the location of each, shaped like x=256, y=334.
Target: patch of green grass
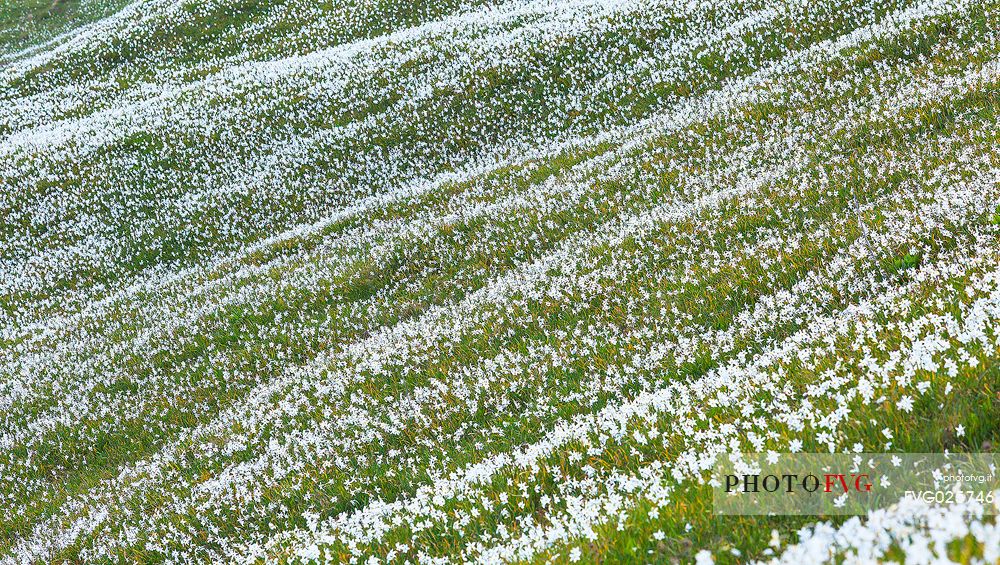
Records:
x=904, y=263
x=24, y=23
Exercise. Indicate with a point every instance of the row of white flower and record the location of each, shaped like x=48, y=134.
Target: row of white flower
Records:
x=920, y=531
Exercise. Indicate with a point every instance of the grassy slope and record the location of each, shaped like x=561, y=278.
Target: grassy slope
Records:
x=425, y=324
x=26, y=24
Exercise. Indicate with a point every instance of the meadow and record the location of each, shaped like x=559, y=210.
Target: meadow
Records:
x=439, y=281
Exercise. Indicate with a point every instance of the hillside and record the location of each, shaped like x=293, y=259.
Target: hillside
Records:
x=487, y=281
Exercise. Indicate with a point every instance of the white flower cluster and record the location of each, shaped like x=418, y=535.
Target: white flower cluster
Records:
x=477, y=281
x=911, y=532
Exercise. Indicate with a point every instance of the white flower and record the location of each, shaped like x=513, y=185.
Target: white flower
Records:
x=775, y=540
x=905, y=403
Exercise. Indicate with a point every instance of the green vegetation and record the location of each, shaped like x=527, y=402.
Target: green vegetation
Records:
x=475, y=281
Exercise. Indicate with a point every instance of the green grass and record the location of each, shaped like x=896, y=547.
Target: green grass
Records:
x=24, y=23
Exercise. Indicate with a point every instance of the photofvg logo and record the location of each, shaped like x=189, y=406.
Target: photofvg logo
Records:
x=846, y=484
x=828, y=482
